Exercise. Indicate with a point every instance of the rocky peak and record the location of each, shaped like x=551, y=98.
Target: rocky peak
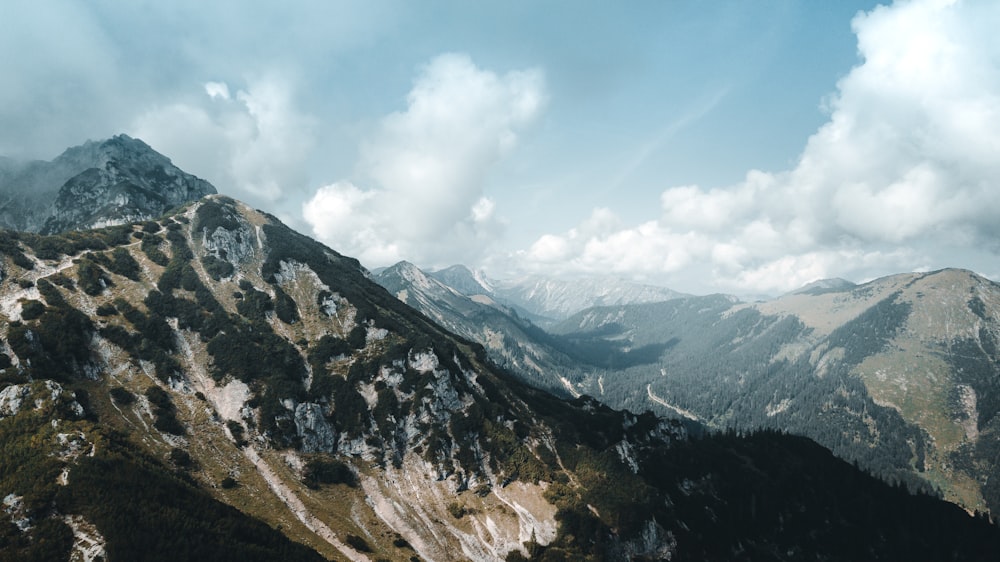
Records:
x=98, y=183
x=464, y=280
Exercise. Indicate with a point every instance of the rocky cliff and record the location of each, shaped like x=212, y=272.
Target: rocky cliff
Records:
x=99, y=183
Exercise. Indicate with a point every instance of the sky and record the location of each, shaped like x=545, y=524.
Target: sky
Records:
x=726, y=146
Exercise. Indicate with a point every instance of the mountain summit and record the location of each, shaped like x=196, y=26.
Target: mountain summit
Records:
x=99, y=183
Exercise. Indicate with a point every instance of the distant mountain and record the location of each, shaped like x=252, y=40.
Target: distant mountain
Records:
x=547, y=300
x=511, y=341
x=901, y=374
x=464, y=280
x=717, y=361
x=824, y=286
x=557, y=299
x=96, y=184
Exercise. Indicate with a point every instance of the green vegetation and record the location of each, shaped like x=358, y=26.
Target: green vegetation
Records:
x=357, y=543
x=321, y=469
x=153, y=339
x=62, y=281
x=456, y=510
x=164, y=411
x=124, y=264
x=73, y=243
x=216, y=268
x=93, y=280
x=10, y=246
x=976, y=363
x=31, y=310
x=56, y=344
x=255, y=305
x=180, y=458
x=121, y=396
x=147, y=512
x=284, y=307
x=106, y=309
x=151, y=247
x=236, y=430
x=213, y=214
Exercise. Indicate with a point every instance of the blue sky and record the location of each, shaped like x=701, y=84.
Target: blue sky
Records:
x=743, y=147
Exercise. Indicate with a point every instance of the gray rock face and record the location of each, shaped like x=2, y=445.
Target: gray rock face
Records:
x=235, y=246
x=11, y=399
x=17, y=397
x=99, y=183
x=312, y=427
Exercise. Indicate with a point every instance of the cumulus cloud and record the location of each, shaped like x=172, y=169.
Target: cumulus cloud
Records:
x=251, y=145
x=420, y=193
x=904, y=173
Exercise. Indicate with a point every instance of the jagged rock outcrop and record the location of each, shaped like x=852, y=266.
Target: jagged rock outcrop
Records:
x=17, y=397
x=99, y=183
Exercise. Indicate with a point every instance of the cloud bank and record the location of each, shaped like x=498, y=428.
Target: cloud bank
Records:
x=252, y=144
x=903, y=175
x=420, y=189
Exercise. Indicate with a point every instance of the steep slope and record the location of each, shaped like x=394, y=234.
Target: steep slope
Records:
x=216, y=352
x=511, y=342
x=464, y=280
x=898, y=374
x=114, y=181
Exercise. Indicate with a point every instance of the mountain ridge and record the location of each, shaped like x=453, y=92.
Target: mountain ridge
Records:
x=912, y=351
x=296, y=371
x=211, y=383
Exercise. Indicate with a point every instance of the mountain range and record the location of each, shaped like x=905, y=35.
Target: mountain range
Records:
x=548, y=300
x=899, y=374
x=211, y=384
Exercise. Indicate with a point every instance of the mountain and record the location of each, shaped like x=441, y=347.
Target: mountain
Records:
x=821, y=286
x=547, y=300
x=213, y=384
x=114, y=181
x=510, y=341
x=464, y=280
x=550, y=300
x=901, y=374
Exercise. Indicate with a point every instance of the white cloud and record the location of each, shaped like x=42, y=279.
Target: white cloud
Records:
x=907, y=160
x=217, y=90
x=425, y=168
x=252, y=145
